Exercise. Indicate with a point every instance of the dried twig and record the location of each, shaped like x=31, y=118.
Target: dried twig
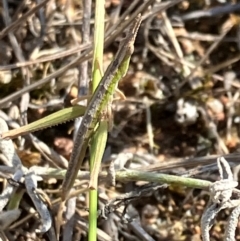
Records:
x=220, y=198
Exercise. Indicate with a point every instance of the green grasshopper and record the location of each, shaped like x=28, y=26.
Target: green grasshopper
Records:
x=94, y=110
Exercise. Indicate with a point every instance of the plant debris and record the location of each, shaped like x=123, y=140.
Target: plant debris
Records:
x=181, y=117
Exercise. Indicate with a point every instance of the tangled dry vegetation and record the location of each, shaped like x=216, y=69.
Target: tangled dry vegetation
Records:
x=181, y=112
